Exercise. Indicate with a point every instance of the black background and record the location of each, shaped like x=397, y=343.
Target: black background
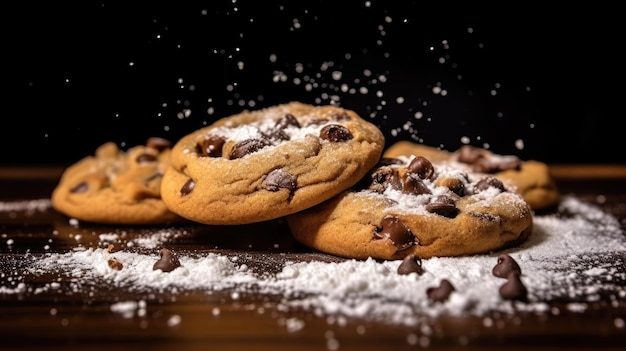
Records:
x=80, y=74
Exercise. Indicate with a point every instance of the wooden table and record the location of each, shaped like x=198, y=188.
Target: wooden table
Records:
x=83, y=320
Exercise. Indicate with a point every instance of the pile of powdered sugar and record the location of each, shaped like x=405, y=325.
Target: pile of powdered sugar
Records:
x=556, y=263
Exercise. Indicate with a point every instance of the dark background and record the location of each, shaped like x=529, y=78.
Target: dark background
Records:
x=521, y=79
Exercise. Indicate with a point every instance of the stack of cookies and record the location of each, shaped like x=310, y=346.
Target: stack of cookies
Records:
x=322, y=168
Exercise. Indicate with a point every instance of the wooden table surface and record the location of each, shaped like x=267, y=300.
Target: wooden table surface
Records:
x=82, y=319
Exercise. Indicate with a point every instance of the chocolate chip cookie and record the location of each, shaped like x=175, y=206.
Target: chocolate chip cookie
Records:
x=268, y=163
x=117, y=187
x=530, y=178
x=410, y=205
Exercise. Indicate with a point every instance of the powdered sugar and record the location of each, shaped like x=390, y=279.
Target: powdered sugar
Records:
x=410, y=202
x=265, y=126
x=556, y=263
x=29, y=206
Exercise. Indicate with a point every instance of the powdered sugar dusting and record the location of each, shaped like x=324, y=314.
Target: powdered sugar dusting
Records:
x=415, y=203
x=556, y=263
x=263, y=126
x=29, y=206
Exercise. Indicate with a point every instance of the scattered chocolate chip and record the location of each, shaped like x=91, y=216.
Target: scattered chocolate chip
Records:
x=115, y=264
x=168, y=261
x=440, y=293
x=422, y=167
x=187, y=187
x=157, y=143
x=145, y=158
x=80, y=188
x=513, y=289
x=487, y=182
x=335, y=133
x=506, y=264
x=392, y=228
x=246, y=147
x=414, y=185
x=211, y=146
x=411, y=264
x=443, y=205
x=280, y=179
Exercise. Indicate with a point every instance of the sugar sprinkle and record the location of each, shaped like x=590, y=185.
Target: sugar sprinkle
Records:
x=556, y=262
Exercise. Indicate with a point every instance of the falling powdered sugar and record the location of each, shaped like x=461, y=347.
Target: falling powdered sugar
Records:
x=555, y=263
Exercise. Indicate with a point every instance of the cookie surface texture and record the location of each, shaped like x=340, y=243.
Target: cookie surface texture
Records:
x=530, y=178
x=264, y=164
x=117, y=187
x=409, y=205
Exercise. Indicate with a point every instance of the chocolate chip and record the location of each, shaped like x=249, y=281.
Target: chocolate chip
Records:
x=80, y=188
x=392, y=228
x=471, y=154
x=506, y=264
x=411, y=264
x=115, y=264
x=187, y=187
x=414, y=185
x=494, y=165
x=246, y=147
x=485, y=161
x=513, y=289
x=280, y=179
x=458, y=189
x=157, y=143
x=443, y=205
x=440, y=293
x=383, y=177
x=487, y=182
x=168, y=261
x=278, y=132
x=145, y=158
x=211, y=146
x=286, y=121
x=422, y=167
x=335, y=133
x=455, y=185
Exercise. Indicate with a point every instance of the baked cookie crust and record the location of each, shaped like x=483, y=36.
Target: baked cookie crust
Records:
x=117, y=187
x=268, y=163
x=409, y=205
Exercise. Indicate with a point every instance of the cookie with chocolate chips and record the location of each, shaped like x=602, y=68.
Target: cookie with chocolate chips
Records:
x=268, y=163
x=530, y=178
x=412, y=206
x=117, y=187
